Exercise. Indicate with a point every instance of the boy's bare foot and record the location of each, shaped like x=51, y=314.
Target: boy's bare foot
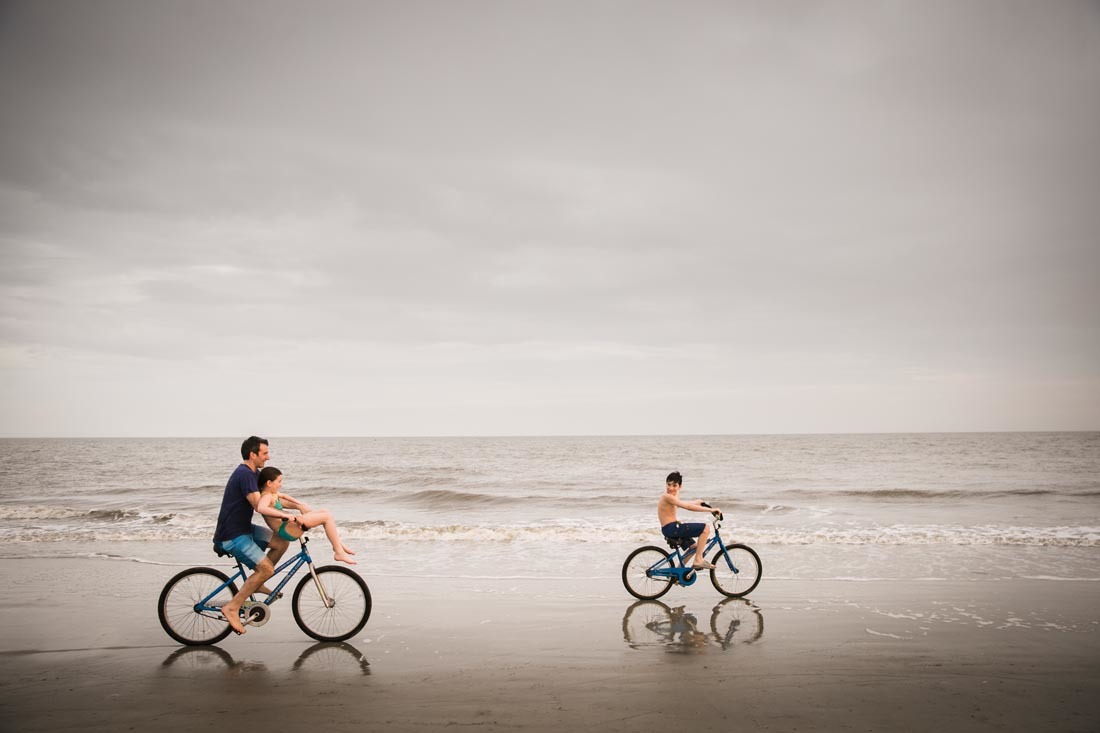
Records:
x=342, y=557
x=703, y=566
x=232, y=615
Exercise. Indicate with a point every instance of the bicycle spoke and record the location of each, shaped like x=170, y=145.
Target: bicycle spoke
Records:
x=742, y=578
x=350, y=610
x=638, y=573
x=179, y=598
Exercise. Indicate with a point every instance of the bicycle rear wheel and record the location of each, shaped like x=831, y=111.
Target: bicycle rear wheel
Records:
x=176, y=607
x=739, y=583
x=636, y=573
x=350, y=609
x=647, y=624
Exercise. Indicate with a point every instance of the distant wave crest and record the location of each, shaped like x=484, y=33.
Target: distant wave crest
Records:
x=172, y=528
x=910, y=494
x=451, y=499
x=55, y=512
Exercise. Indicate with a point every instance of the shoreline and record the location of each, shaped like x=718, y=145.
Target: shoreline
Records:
x=83, y=649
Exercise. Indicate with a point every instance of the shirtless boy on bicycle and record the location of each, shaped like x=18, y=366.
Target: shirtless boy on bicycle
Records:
x=673, y=529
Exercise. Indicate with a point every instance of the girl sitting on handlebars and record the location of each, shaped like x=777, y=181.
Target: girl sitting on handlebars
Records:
x=273, y=505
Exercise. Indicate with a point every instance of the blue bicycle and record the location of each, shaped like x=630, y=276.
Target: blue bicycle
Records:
x=650, y=572
x=331, y=603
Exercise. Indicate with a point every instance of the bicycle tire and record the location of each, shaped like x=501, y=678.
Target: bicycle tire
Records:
x=642, y=622
x=635, y=580
x=326, y=657
x=349, y=614
x=736, y=621
x=176, y=606
x=740, y=584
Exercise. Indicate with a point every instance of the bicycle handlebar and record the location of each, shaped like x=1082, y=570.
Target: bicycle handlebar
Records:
x=717, y=514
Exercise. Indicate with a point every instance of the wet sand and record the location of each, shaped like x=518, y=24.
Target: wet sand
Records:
x=521, y=654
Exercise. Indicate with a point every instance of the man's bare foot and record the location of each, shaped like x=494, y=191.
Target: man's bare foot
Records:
x=232, y=615
x=342, y=557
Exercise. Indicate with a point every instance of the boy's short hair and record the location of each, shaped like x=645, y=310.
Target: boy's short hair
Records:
x=675, y=478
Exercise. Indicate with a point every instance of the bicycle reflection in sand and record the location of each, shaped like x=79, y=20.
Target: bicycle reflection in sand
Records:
x=652, y=624
x=325, y=657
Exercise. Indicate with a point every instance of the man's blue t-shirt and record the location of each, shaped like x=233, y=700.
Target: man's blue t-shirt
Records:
x=235, y=517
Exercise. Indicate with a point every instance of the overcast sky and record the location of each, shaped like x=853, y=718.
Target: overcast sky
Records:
x=498, y=218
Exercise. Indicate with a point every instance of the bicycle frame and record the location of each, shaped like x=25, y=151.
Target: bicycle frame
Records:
x=302, y=558
x=684, y=574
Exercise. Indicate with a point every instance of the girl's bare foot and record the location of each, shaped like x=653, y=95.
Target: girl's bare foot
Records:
x=342, y=557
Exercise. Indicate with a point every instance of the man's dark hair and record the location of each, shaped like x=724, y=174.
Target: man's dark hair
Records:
x=675, y=478
x=252, y=445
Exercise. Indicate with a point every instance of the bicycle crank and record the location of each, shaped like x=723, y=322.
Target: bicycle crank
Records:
x=255, y=613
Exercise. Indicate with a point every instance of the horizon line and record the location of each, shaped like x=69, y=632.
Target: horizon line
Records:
x=546, y=435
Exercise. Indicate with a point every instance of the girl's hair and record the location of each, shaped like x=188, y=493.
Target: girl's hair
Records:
x=267, y=475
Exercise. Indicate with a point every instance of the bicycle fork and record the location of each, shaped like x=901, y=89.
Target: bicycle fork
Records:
x=329, y=603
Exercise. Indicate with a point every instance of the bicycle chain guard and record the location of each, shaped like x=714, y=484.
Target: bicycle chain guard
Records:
x=687, y=576
x=255, y=613
x=684, y=576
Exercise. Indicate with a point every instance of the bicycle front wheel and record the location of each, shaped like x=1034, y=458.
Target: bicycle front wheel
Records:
x=738, y=581
x=350, y=609
x=637, y=573
x=181, y=595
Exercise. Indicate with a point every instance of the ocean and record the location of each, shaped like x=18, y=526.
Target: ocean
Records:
x=851, y=508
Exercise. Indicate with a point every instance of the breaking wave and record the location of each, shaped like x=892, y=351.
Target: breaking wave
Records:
x=123, y=526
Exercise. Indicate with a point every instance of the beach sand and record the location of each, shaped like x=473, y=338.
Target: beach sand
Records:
x=526, y=654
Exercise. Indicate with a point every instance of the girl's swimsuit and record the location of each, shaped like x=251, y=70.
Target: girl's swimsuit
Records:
x=282, y=527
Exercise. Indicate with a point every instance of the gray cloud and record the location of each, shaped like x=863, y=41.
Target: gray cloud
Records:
x=851, y=217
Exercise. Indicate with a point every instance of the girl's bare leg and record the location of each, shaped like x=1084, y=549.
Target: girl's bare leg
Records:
x=340, y=551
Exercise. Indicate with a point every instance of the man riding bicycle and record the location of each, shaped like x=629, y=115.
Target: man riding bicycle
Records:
x=237, y=535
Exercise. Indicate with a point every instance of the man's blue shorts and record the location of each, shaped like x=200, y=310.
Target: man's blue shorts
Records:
x=676, y=530
x=249, y=549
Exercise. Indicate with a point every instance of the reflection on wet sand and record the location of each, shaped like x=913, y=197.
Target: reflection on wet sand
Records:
x=325, y=656
x=653, y=624
x=332, y=656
